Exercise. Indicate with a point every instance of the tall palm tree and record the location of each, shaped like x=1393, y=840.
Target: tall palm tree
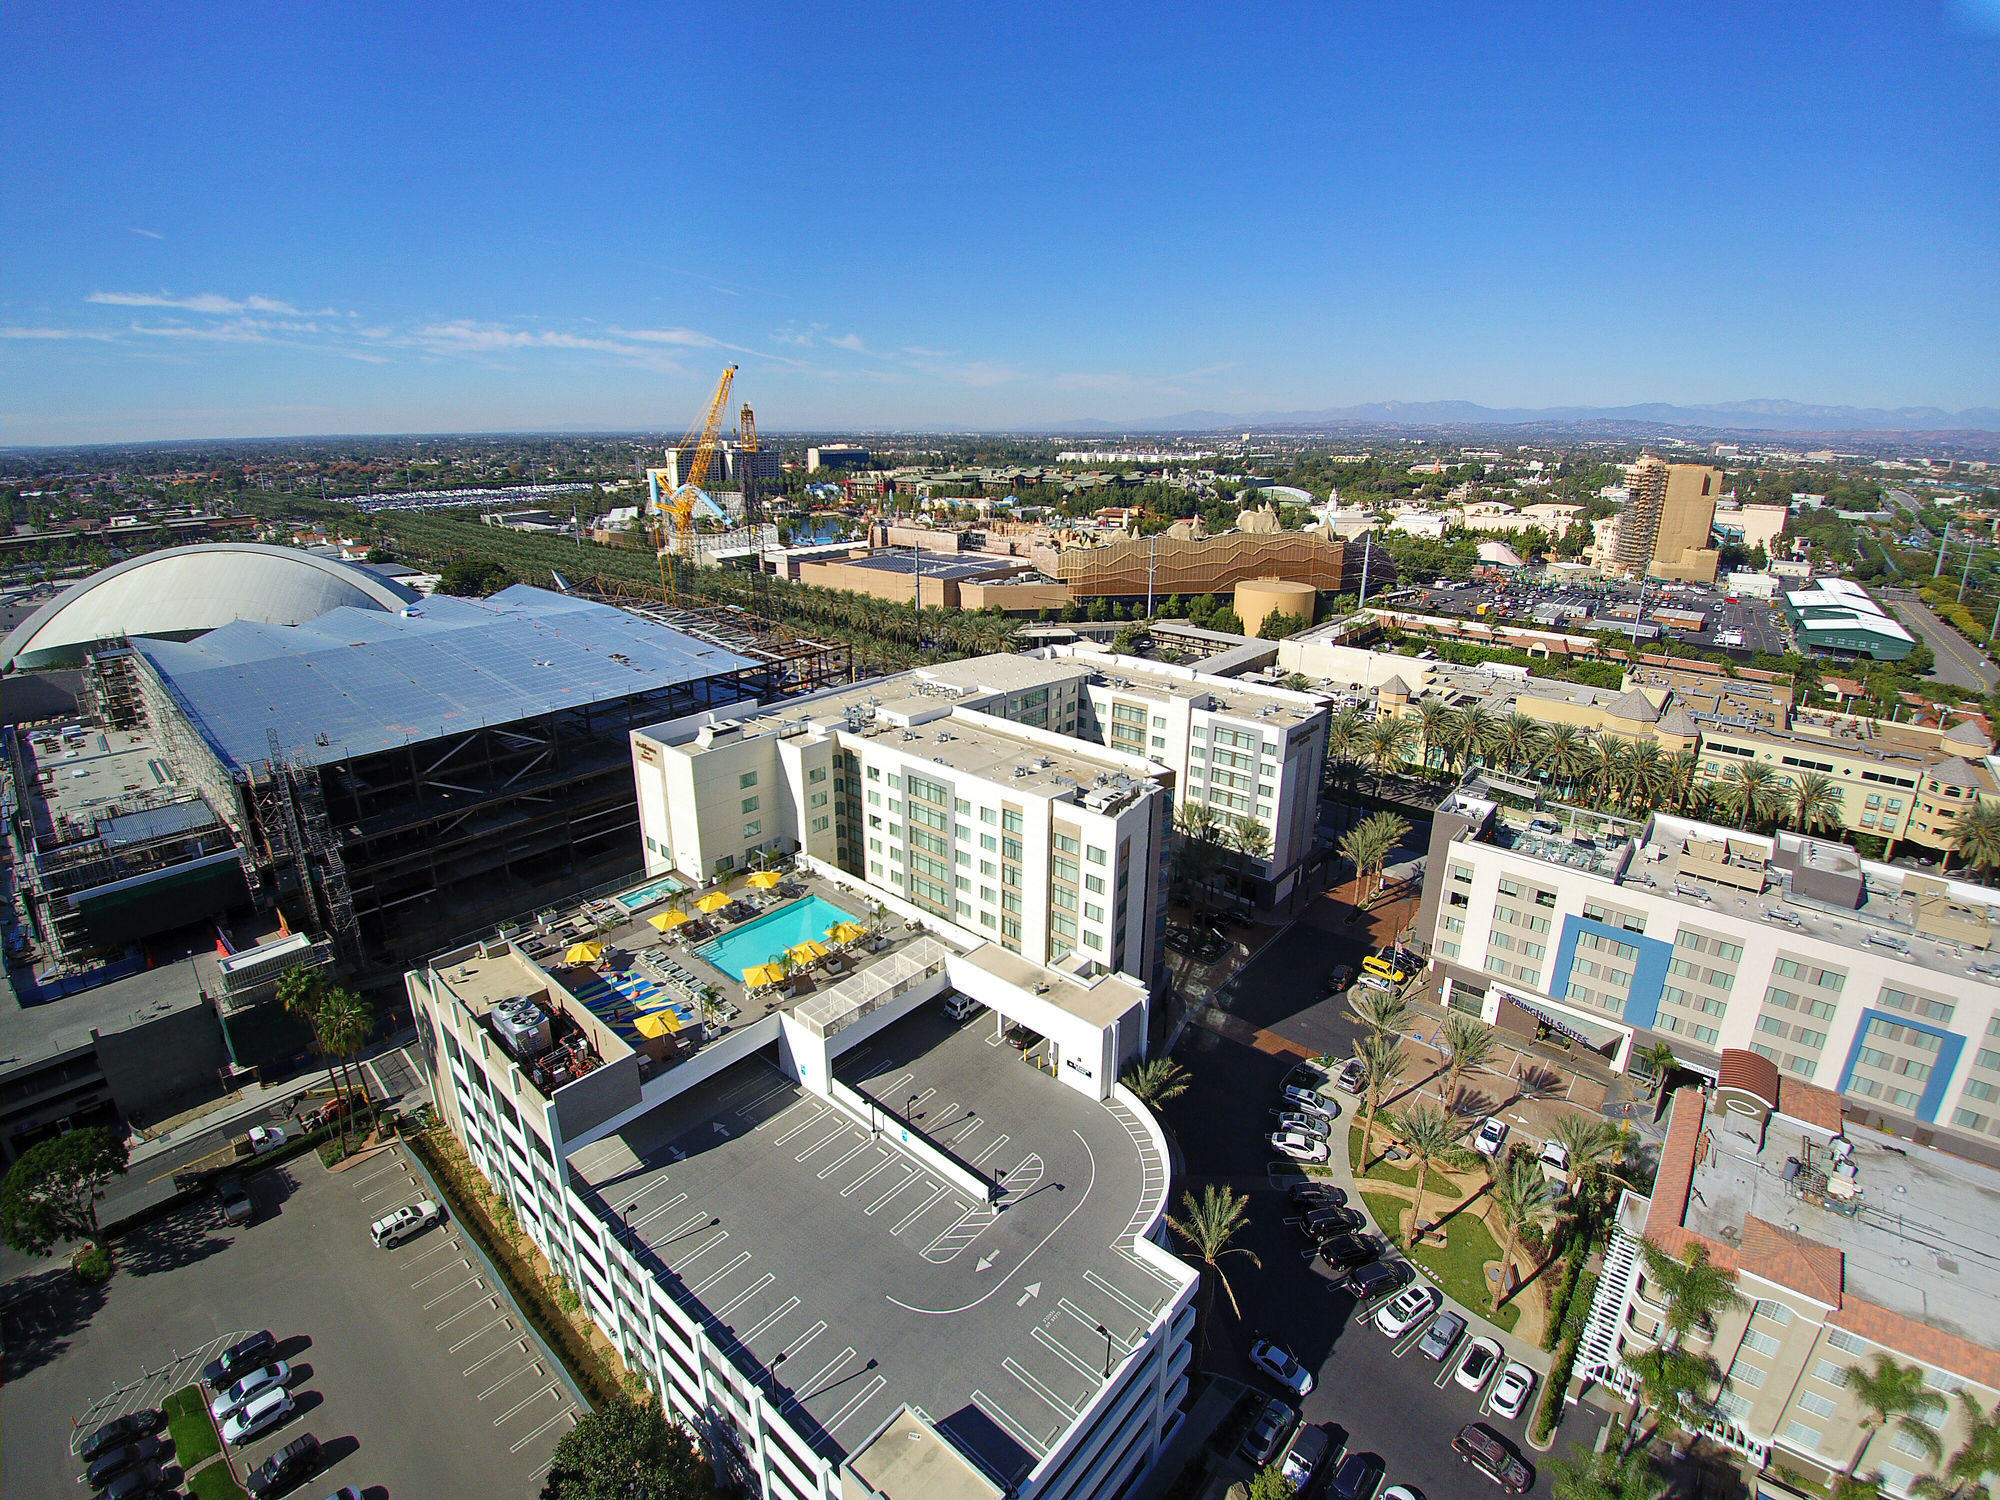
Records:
x=1518, y=741
x=1157, y=1081
x=1250, y=839
x=1589, y=1143
x=1975, y=836
x=1388, y=745
x=1208, y=1226
x=1435, y=727
x=1473, y=731
x=1813, y=803
x=1362, y=846
x=1523, y=1197
x=1345, y=740
x=1604, y=770
x=1749, y=793
x=1431, y=1138
x=1386, y=832
x=1680, y=770
x=301, y=991
x=1609, y=1475
x=1469, y=1042
x=1382, y=1065
x=1645, y=775
x=1695, y=1290
x=1660, y=1060
x=1668, y=1379
x=1383, y=1012
x=1972, y=1464
x=1889, y=1393
x=1566, y=755
x=341, y=1026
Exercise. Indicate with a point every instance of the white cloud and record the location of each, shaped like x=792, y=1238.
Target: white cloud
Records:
x=151, y=234
x=58, y=333
x=201, y=302
x=686, y=337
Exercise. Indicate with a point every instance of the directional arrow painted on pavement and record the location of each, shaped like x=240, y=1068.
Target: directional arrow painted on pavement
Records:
x=985, y=1263
x=1034, y=1290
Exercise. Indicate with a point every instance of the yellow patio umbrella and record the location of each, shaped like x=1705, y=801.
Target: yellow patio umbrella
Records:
x=763, y=880
x=657, y=1023
x=759, y=975
x=666, y=921
x=584, y=953
x=845, y=932
x=807, y=951
x=714, y=901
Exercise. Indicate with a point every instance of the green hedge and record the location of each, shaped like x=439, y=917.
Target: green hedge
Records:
x=530, y=1295
x=1549, y=1413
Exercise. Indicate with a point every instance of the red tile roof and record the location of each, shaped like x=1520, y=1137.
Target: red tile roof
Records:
x=1752, y=1072
x=1810, y=1103
x=1914, y=1340
x=1790, y=1260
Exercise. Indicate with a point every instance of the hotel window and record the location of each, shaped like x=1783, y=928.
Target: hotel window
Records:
x=747, y=779
x=1094, y=854
x=1804, y=1436
x=819, y=825
x=1067, y=845
x=988, y=815
x=1831, y=1373
x=753, y=830
x=819, y=799
x=1010, y=822
x=1093, y=884
x=750, y=804
x=818, y=773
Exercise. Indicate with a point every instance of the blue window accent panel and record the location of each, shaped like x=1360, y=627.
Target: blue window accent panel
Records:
x=1950, y=1047
x=1649, y=971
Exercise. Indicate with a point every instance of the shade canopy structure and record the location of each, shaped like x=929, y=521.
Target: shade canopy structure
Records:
x=714, y=901
x=807, y=951
x=846, y=932
x=763, y=880
x=657, y=1023
x=584, y=953
x=667, y=921
x=759, y=975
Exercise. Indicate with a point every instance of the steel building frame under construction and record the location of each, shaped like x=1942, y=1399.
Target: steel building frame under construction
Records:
x=396, y=780
x=1129, y=567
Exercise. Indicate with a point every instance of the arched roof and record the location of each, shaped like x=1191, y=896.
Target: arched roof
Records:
x=182, y=591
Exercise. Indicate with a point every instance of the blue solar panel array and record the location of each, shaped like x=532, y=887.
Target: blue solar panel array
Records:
x=355, y=681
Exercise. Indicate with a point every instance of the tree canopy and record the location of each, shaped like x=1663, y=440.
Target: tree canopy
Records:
x=50, y=1195
x=628, y=1451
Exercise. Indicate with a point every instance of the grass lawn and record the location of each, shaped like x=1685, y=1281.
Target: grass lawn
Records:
x=216, y=1483
x=1458, y=1267
x=1438, y=1189
x=1387, y=1212
x=192, y=1428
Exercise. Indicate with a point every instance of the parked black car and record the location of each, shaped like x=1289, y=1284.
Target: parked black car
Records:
x=1346, y=1252
x=110, y=1465
x=1356, y=1478
x=239, y=1359
x=1325, y=1223
x=1318, y=1195
x=1375, y=1280
x=134, y=1484
x=285, y=1468
x=121, y=1430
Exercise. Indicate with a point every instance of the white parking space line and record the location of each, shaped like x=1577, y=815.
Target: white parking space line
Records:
x=447, y=1243
x=806, y=1103
x=510, y=1376
x=1067, y=1355
x=1445, y=1367
x=885, y=1161
x=769, y=1318
x=1414, y=1332
x=1001, y=1415
x=394, y=1187
x=461, y=1264
x=489, y=1302
x=684, y=1226
x=509, y=1347
x=910, y=1218
x=1047, y=1393
x=834, y=1134
x=1122, y=1299
x=653, y=1213
x=819, y=1380
x=394, y=1164
x=570, y=1413
x=910, y=1175
x=810, y=1121
x=442, y=1296
x=524, y=1403
x=742, y=1257
x=746, y=1294
x=988, y=1150
x=868, y=1393
x=696, y=1254
x=827, y=1171
x=757, y=1079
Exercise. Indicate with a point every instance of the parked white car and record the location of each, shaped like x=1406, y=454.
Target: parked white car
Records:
x=239, y=1395
x=1310, y=1100
x=1491, y=1134
x=1510, y=1391
x=404, y=1222
x=1409, y=1308
x=266, y=1138
x=1299, y=1120
x=263, y=1412
x=1298, y=1145
x=1477, y=1363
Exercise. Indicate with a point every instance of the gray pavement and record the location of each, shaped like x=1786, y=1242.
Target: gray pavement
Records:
x=1959, y=662
x=391, y=1349
x=859, y=1279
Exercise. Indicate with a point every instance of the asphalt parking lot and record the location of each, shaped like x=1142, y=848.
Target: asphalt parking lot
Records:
x=389, y=1348
x=1382, y=1396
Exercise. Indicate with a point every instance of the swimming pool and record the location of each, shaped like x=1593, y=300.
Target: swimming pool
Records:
x=642, y=896
x=770, y=935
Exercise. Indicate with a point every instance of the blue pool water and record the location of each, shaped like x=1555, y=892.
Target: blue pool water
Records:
x=770, y=935
x=643, y=896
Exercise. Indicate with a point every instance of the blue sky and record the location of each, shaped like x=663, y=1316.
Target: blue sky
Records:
x=255, y=220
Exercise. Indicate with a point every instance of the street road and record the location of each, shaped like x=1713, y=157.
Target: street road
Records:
x=1959, y=662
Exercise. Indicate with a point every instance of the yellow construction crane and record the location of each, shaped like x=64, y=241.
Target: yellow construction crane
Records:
x=746, y=426
x=676, y=505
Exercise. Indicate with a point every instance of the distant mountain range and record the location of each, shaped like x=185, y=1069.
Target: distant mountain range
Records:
x=1727, y=416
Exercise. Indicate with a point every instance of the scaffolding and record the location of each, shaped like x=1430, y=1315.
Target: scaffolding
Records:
x=802, y=665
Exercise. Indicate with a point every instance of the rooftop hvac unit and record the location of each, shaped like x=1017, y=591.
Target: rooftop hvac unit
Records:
x=522, y=1027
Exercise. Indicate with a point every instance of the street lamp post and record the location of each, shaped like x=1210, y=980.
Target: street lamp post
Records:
x=1107, y=1349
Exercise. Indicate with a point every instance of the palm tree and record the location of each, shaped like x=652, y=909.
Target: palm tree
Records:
x=1975, y=836
x=1250, y=839
x=1473, y=731
x=1211, y=1222
x=302, y=991
x=1523, y=1197
x=1434, y=728
x=1431, y=1138
x=1390, y=829
x=1196, y=856
x=1588, y=1143
x=1667, y=1378
x=1813, y=803
x=1609, y=1475
x=1518, y=741
x=1661, y=1060
x=1387, y=745
x=1566, y=754
x=1158, y=1081
x=341, y=1027
x=1468, y=1042
x=1680, y=769
x=1889, y=1393
x=1645, y=775
x=1365, y=847
x=1695, y=1290
x=1748, y=793
x=1604, y=769
x=1967, y=1470
x=1383, y=1012
x=1345, y=739
x=1382, y=1064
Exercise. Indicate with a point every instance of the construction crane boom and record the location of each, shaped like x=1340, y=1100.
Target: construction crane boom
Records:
x=746, y=425
x=676, y=507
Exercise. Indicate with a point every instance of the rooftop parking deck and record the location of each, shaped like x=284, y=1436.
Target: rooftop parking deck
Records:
x=1917, y=1235
x=743, y=1192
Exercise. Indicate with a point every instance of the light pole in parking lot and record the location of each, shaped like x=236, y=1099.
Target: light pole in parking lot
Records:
x=1107, y=1349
